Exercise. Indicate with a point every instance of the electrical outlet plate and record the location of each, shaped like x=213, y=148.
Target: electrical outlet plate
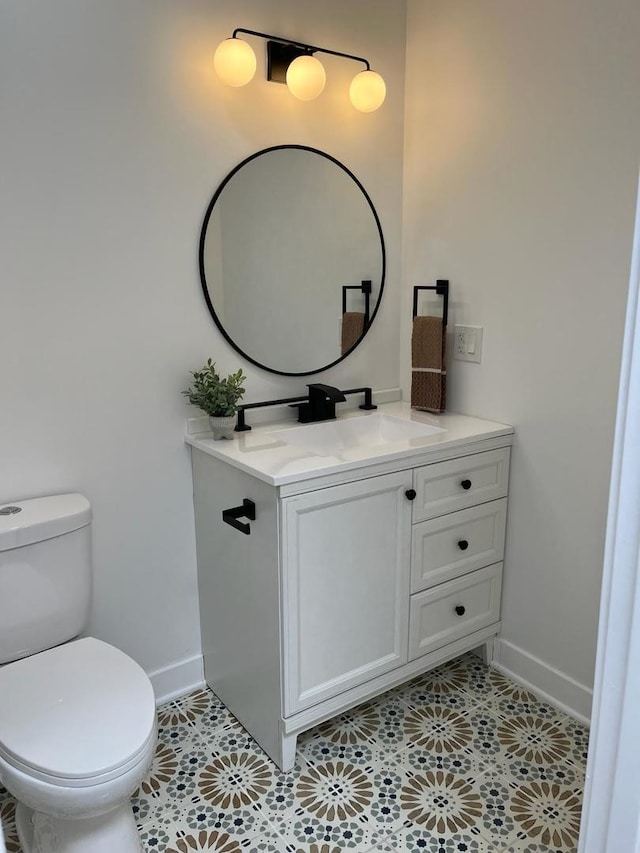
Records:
x=467, y=343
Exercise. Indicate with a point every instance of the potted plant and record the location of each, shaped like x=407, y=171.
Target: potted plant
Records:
x=217, y=397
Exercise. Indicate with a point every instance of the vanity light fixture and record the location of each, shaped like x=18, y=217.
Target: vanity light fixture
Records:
x=294, y=63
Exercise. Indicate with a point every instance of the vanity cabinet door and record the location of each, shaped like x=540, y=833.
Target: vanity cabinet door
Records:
x=345, y=591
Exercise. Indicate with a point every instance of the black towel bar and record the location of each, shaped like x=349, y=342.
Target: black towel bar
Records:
x=441, y=287
x=247, y=510
x=364, y=287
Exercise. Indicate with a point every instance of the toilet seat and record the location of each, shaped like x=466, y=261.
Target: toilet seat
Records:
x=76, y=715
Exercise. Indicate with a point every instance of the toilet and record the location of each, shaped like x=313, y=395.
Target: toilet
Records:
x=77, y=716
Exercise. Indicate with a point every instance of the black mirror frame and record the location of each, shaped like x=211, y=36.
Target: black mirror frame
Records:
x=203, y=279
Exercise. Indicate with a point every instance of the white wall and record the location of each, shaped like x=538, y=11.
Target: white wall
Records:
x=521, y=154
x=115, y=133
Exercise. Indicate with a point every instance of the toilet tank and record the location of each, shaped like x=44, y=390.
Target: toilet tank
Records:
x=45, y=573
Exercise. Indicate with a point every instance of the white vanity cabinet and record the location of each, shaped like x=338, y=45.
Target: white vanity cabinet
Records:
x=346, y=583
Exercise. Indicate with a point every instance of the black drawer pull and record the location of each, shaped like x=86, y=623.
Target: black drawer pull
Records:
x=463, y=544
x=466, y=484
x=411, y=494
x=247, y=510
x=460, y=609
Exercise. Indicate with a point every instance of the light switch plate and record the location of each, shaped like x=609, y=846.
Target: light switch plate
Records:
x=467, y=343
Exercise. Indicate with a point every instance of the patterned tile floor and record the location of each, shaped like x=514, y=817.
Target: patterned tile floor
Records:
x=460, y=759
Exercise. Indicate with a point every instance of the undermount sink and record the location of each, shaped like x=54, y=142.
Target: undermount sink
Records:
x=332, y=437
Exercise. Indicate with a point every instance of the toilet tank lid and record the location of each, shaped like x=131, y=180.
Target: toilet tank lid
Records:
x=43, y=518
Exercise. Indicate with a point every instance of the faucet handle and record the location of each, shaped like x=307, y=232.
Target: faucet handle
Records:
x=368, y=404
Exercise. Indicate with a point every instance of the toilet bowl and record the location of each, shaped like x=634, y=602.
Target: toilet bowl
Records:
x=77, y=736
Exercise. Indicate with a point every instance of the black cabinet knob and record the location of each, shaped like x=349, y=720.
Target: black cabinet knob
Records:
x=463, y=544
x=466, y=484
x=460, y=609
x=411, y=494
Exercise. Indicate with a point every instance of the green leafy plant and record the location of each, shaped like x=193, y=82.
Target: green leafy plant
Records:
x=215, y=396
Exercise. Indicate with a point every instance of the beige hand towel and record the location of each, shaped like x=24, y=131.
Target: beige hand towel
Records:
x=352, y=329
x=428, y=375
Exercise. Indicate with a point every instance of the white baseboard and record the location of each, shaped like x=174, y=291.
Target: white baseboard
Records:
x=548, y=683
x=177, y=679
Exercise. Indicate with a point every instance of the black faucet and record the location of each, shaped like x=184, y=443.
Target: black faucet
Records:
x=334, y=395
x=321, y=405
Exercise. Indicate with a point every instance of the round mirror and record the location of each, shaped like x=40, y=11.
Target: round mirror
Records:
x=292, y=260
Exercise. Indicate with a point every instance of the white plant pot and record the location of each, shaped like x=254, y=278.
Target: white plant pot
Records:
x=222, y=427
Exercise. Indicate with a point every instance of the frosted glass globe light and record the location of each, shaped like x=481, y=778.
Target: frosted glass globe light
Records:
x=367, y=91
x=235, y=62
x=306, y=77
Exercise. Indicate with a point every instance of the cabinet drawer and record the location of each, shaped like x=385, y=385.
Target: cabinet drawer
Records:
x=460, y=483
x=434, y=620
x=452, y=545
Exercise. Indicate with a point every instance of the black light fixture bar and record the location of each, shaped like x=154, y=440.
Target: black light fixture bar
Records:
x=281, y=52
x=279, y=58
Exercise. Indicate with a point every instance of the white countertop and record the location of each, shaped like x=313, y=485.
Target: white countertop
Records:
x=275, y=462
